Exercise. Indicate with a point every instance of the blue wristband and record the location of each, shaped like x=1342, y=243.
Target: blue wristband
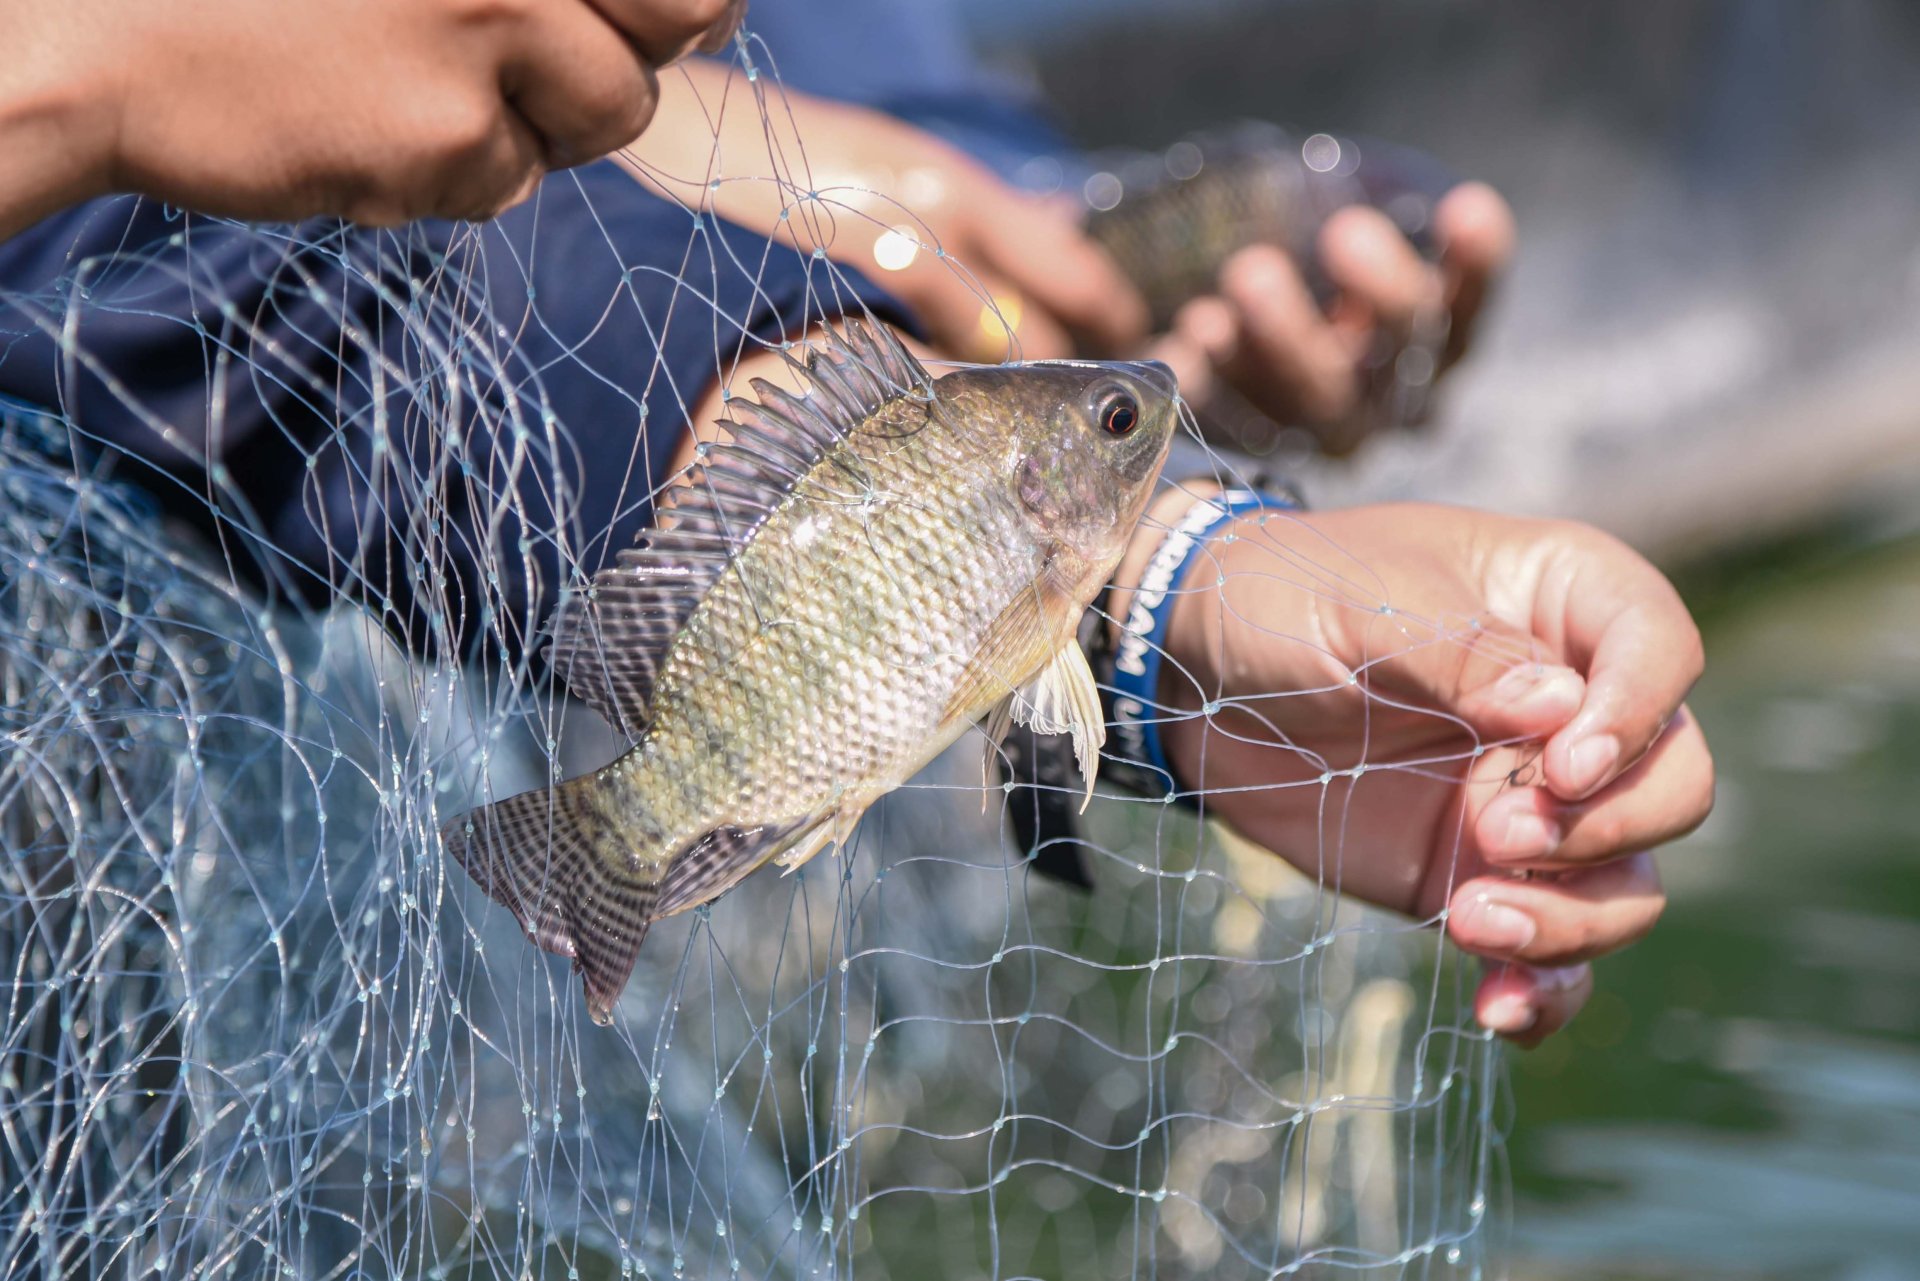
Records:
x=1143, y=634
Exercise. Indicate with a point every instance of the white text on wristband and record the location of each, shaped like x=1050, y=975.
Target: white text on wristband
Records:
x=1142, y=647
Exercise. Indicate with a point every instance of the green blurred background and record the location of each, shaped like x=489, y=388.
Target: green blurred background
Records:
x=1710, y=344
x=1742, y=1098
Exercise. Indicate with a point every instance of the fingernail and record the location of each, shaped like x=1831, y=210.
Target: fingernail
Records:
x=1495, y=926
x=1509, y=1015
x=1528, y=836
x=1590, y=760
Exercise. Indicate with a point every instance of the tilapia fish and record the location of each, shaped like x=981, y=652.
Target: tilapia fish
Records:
x=860, y=575
x=1171, y=219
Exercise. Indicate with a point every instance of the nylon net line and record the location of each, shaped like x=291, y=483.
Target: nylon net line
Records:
x=259, y=1023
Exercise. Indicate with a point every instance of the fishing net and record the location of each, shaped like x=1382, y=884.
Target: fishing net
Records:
x=259, y=1023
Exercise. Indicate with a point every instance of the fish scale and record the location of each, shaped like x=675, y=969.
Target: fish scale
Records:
x=769, y=671
x=795, y=641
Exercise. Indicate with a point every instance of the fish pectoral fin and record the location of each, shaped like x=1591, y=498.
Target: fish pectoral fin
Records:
x=568, y=877
x=1064, y=699
x=1015, y=643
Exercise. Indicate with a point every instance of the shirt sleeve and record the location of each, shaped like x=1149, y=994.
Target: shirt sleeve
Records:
x=915, y=61
x=449, y=421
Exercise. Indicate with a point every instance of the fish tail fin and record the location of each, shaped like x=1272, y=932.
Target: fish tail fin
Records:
x=553, y=858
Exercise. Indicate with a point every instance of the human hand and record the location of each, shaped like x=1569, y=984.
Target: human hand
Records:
x=373, y=110
x=1266, y=335
x=991, y=272
x=1407, y=639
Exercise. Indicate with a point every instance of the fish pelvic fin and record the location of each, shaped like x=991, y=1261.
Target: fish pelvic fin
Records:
x=557, y=861
x=1025, y=673
x=1065, y=699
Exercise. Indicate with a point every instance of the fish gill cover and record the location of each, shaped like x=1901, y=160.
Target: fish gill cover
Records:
x=261, y=1023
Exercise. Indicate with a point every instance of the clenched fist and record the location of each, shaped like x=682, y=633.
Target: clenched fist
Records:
x=375, y=110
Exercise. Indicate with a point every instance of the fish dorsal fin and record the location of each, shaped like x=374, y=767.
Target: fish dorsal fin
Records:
x=610, y=642
x=856, y=372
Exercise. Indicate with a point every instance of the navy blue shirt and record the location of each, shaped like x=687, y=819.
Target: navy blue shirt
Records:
x=248, y=377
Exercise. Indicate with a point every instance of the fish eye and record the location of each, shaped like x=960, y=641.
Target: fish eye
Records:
x=1119, y=414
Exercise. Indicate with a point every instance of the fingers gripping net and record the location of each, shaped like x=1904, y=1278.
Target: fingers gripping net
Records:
x=260, y=1024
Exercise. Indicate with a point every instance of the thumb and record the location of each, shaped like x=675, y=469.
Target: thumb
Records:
x=1526, y=700
x=1482, y=672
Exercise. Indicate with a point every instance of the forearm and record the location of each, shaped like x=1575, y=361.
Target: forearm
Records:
x=1163, y=514
x=710, y=129
x=51, y=131
x=1179, y=598
x=1165, y=511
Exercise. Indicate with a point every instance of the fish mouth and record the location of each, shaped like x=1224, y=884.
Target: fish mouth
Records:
x=1157, y=374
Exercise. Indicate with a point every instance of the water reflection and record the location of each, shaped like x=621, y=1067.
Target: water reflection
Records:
x=1831, y=1188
